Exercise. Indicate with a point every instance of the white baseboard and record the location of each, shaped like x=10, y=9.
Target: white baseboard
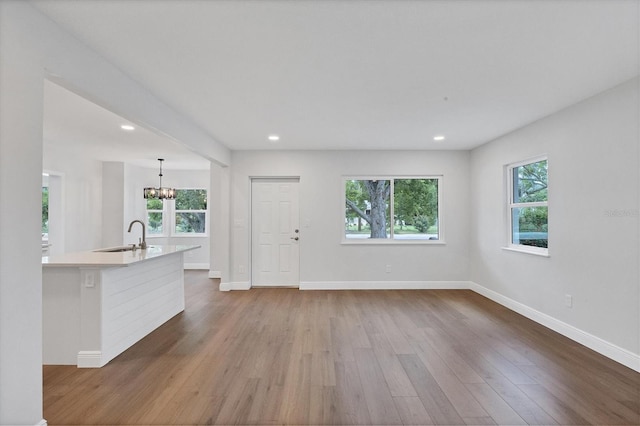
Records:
x=215, y=274
x=196, y=266
x=384, y=285
x=616, y=353
x=245, y=285
x=42, y=422
x=90, y=359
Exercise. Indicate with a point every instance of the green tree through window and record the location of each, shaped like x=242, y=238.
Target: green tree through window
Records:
x=191, y=207
x=155, y=214
x=45, y=210
x=412, y=202
x=528, y=204
x=186, y=214
x=416, y=203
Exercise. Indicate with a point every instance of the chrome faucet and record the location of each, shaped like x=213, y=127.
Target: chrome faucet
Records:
x=143, y=241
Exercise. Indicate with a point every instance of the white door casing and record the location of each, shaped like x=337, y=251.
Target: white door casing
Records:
x=275, y=232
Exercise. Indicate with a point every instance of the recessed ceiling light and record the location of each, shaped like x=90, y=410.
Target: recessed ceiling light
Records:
x=128, y=127
x=274, y=138
x=438, y=138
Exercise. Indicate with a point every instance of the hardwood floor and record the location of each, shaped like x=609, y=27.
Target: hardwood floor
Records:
x=283, y=356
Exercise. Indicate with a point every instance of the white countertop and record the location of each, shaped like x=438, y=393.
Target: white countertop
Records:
x=108, y=259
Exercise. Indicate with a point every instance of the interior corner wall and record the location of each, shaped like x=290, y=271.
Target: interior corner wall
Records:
x=133, y=202
x=593, y=168
x=21, y=112
x=112, y=213
x=323, y=259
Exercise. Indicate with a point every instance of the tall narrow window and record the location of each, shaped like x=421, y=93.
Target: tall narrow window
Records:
x=155, y=213
x=528, y=206
x=392, y=209
x=45, y=211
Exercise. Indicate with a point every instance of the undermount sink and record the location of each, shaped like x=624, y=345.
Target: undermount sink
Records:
x=115, y=249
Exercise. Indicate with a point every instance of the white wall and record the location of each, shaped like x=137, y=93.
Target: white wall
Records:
x=220, y=232
x=113, y=193
x=33, y=47
x=21, y=86
x=593, y=156
x=323, y=259
x=82, y=200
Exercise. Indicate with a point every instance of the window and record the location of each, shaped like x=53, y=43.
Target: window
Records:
x=155, y=213
x=45, y=211
x=186, y=215
x=190, y=211
x=412, y=202
x=527, y=205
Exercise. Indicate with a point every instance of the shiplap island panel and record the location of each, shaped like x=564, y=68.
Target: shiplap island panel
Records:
x=97, y=304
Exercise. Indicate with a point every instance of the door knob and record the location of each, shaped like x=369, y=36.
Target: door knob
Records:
x=295, y=238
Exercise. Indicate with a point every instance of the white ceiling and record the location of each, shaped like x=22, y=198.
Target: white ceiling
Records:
x=362, y=74
x=81, y=128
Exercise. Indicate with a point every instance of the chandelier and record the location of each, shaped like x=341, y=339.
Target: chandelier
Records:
x=160, y=192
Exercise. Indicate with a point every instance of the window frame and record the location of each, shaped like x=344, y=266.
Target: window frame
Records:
x=391, y=240
x=45, y=235
x=170, y=214
x=510, y=205
x=175, y=212
x=163, y=212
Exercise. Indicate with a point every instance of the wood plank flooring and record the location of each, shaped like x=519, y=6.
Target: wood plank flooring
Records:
x=289, y=357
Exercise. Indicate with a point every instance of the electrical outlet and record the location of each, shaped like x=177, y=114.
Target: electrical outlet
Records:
x=388, y=269
x=241, y=269
x=568, y=300
x=89, y=280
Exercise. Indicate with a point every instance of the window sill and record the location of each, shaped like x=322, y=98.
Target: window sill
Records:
x=540, y=253
x=178, y=236
x=386, y=242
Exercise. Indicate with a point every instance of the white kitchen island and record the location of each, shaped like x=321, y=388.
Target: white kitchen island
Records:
x=97, y=304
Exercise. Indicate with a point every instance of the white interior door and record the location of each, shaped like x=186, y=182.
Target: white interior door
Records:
x=275, y=233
